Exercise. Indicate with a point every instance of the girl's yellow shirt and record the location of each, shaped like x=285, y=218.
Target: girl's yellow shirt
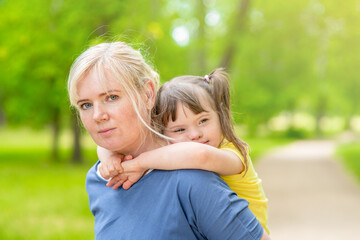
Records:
x=248, y=187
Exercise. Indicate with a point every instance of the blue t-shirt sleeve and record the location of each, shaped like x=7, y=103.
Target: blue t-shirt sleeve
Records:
x=213, y=210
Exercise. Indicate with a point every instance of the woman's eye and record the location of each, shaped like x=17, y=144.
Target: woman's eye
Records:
x=113, y=97
x=179, y=130
x=85, y=106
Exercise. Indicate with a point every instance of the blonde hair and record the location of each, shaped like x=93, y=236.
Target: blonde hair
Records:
x=190, y=90
x=121, y=62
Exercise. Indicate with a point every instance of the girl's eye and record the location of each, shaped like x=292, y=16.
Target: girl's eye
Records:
x=85, y=106
x=203, y=120
x=112, y=97
x=179, y=130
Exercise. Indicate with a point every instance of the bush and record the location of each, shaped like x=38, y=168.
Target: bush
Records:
x=350, y=154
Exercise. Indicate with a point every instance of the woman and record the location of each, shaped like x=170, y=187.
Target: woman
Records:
x=114, y=91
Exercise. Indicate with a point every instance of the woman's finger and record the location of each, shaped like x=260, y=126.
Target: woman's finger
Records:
x=127, y=184
x=118, y=184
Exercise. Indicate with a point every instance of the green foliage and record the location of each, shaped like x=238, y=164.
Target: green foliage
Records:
x=260, y=146
x=293, y=56
x=350, y=154
x=292, y=133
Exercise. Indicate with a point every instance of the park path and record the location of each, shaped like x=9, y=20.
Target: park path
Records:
x=311, y=196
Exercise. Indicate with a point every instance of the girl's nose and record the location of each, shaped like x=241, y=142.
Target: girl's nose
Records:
x=100, y=114
x=195, y=134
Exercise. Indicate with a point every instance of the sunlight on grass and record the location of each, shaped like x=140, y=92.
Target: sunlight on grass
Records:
x=44, y=202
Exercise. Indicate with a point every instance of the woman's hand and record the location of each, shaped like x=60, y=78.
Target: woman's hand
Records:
x=132, y=172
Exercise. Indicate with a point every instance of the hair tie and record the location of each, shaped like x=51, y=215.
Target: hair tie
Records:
x=207, y=79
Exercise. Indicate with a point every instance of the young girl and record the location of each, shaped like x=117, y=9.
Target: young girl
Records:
x=194, y=114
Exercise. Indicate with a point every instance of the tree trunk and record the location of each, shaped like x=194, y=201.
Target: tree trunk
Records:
x=76, y=156
x=234, y=31
x=320, y=113
x=2, y=115
x=56, y=134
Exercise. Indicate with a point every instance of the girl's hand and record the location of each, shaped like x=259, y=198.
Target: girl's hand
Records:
x=121, y=177
x=110, y=163
x=132, y=172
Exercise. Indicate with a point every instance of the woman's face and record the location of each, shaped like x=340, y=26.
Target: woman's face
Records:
x=108, y=115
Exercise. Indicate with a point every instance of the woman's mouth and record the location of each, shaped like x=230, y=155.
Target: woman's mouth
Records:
x=106, y=132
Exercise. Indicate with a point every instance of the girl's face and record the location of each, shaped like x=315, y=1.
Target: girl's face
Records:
x=203, y=127
x=108, y=115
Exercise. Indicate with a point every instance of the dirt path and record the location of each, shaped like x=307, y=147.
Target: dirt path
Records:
x=310, y=195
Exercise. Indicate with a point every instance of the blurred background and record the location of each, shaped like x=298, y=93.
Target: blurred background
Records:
x=295, y=82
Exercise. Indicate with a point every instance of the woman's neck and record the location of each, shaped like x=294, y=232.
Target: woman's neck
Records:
x=149, y=143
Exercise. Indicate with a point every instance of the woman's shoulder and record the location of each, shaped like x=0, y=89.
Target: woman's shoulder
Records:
x=186, y=177
x=197, y=179
x=93, y=175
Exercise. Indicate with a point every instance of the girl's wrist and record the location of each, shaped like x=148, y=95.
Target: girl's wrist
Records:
x=141, y=162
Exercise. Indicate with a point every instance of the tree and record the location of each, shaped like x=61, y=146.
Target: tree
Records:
x=39, y=52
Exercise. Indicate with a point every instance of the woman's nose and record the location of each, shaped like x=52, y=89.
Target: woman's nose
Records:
x=100, y=113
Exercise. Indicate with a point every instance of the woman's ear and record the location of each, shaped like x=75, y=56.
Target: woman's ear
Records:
x=150, y=94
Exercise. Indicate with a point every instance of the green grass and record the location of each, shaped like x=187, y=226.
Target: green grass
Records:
x=41, y=198
x=350, y=154
x=45, y=199
x=41, y=201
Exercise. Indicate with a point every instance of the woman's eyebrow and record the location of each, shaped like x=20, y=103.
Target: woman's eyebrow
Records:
x=109, y=91
x=82, y=100
x=100, y=95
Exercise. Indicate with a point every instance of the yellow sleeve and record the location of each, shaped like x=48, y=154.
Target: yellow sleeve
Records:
x=226, y=145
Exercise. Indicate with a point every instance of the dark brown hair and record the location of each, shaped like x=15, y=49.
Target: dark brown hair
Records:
x=189, y=90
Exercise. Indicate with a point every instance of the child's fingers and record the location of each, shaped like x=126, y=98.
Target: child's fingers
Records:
x=115, y=168
x=114, y=171
x=104, y=171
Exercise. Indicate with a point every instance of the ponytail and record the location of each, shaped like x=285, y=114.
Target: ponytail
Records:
x=220, y=89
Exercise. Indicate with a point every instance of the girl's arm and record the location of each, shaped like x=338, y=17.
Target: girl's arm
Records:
x=184, y=155
x=111, y=169
x=191, y=155
x=110, y=162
